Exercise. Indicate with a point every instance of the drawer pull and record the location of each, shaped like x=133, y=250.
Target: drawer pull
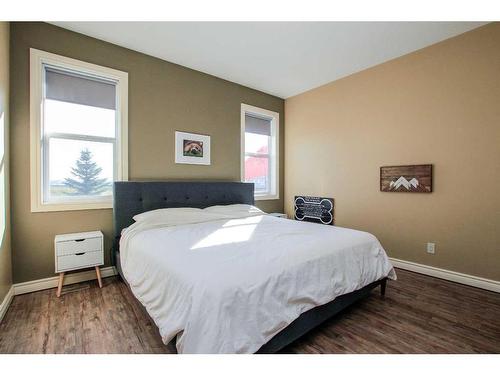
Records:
x=79, y=253
x=80, y=240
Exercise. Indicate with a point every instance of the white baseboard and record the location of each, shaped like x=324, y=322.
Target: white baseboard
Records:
x=440, y=273
x=51, y=282
x=6, y=302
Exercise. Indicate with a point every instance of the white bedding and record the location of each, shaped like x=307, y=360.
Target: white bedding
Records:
x=228, y=280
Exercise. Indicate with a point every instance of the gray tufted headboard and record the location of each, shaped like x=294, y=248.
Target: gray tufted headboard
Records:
x=132, y=198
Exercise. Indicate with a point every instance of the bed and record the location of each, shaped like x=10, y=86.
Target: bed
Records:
x=219, y=276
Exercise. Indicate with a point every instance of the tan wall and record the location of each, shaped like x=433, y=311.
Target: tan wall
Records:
x=163, y=97
x=5, y=251
x=439, y=105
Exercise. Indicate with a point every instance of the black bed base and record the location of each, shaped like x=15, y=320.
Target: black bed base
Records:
x=316, y=316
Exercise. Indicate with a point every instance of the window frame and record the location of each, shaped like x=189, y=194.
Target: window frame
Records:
x=38, y=59
x=273, y=153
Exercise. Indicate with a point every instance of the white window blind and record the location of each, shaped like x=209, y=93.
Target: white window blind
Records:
x=257, y=125
x=74, y=88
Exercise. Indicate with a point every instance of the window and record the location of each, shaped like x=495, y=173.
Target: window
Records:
x=259, y=145
x=78, y=133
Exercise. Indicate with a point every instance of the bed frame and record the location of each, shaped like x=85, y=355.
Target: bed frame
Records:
x=132, y=198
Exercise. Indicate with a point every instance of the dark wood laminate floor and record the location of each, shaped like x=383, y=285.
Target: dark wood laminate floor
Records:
x=419, y=314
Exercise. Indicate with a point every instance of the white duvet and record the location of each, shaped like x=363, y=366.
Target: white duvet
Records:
x=227, y=279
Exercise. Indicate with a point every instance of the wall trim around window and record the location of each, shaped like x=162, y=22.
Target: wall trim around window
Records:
x=37, y=60
x=274, y=153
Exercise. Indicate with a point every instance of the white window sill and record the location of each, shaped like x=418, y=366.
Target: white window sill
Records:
x=266, y=197
x=77, y=206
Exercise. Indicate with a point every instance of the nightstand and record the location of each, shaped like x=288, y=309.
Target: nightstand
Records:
x=278, y=214
x=74, y=251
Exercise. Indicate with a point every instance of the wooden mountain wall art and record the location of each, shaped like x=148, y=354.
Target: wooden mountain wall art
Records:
x=406, y=178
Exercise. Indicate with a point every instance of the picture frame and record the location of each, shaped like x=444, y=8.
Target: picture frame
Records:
x=191, y=148
x=406, y=178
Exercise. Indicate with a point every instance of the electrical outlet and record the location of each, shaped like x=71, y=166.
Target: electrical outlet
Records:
x=431, y=247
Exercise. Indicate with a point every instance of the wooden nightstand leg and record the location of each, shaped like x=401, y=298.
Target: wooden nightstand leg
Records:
x=60, y=285
x=98, y=272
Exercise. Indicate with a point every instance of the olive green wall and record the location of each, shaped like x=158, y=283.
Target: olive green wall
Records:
x=163, y=97
x=5, y=249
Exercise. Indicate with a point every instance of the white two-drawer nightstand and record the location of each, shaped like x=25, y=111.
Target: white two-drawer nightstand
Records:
x=78, y=250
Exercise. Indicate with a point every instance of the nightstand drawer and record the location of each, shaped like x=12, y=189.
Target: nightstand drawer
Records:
x=79, y=260
x=78, y=246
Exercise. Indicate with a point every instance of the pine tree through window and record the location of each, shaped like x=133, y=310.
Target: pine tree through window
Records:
x=86, y=179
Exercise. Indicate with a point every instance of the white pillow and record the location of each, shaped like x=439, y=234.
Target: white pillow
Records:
x=232, y=209
x=162, y=213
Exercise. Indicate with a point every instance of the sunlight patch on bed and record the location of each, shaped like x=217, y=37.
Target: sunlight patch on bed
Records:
x=233, y=231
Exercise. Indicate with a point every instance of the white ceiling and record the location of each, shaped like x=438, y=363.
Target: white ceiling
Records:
x=280, y=58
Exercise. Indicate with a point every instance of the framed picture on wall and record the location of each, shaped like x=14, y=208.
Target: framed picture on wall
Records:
x=192, y=148
x=406, y=178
